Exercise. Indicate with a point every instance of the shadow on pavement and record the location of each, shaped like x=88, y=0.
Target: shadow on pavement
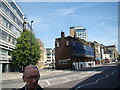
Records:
x=109, y=78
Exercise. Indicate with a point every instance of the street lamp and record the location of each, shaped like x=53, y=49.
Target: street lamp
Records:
x=31, y=26
x=31, y=38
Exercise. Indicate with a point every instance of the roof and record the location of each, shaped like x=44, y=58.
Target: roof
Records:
x=111, y=46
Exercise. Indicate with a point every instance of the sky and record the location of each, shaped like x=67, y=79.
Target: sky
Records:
x=51, y=18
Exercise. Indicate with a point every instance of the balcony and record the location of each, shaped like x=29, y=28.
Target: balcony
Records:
x=5, y=58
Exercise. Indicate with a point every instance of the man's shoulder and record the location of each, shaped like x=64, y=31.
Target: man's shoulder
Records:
x=23, y=88
x=39, y=88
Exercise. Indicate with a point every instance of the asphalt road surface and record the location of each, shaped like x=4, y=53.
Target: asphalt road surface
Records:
x=101, y=77
x=108, y=78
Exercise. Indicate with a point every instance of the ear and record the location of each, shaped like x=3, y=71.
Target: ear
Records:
x=23, y=77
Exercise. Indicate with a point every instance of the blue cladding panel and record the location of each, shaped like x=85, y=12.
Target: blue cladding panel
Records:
x=80, y=49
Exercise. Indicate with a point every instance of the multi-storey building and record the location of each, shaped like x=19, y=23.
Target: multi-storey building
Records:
x=40, y=62
x=97, y=52
x=111, y=50
x=50, y=57
x=53, y=58
x=11, y=25
x=71, y=52
x=104, y=54
x=78, y=32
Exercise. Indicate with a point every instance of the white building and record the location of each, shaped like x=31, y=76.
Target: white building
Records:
x=79, y=32
x=50, y=57
x=11, y=25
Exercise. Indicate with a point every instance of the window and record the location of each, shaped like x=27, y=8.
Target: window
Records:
x=62, y=62
x=58, y=44
x=48, y=60
x=8, y=25
x=67, y=43
x=4, y=52
x=9, y=38
x=1, y=20
x=13, y=41
x=48, y=57
x=11, y=15
x=48, y=54
x=4, y=22
x=0, y=51
x=4, y=36
x=16, y=9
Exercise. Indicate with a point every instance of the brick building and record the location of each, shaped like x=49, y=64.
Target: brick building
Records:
x=73, y=53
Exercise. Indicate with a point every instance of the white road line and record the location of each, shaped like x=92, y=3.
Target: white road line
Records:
x=48, y=82
x=67, y=80
x=95, y=81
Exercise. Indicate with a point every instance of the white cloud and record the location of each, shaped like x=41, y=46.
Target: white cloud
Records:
x=63, y=12
x=113, y=18
x=66, y=12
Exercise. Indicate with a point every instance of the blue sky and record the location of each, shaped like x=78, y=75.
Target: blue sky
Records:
x=50, y=18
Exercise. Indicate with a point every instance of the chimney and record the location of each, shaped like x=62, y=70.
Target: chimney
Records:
x=62, y=34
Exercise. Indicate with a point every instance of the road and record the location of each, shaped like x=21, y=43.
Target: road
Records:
x=72, y=79
x=108, y=78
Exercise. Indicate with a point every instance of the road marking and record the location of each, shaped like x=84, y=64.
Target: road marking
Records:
x=48, y=82
x=95, y=81
x=67, y=80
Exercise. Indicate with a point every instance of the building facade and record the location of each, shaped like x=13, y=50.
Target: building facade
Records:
x=79, y=32
x=12, y=23
x=104, y=54
x=98, y=53
x=50, y=58
x=73, y=53
x=40, y=62
x=113, y=54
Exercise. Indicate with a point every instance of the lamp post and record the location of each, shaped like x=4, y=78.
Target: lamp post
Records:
x=31, y=26
x=31, y=39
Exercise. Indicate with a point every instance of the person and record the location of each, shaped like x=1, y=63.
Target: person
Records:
x=31, y=76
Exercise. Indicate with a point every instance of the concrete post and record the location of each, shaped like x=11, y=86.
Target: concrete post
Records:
x=7, y=68
x=0, y=75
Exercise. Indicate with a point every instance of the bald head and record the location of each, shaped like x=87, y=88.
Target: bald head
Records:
x=29, y=68
x=31, y=76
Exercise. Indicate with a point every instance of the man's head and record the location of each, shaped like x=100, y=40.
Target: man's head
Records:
x=31, y=76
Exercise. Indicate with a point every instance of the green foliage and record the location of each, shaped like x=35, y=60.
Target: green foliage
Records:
x=27, y=50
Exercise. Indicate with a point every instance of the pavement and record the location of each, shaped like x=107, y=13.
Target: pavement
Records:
x=11, y=75
x=18, y=75
x=43, y=72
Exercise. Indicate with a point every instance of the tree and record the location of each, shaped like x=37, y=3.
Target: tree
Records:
x=27, y=50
